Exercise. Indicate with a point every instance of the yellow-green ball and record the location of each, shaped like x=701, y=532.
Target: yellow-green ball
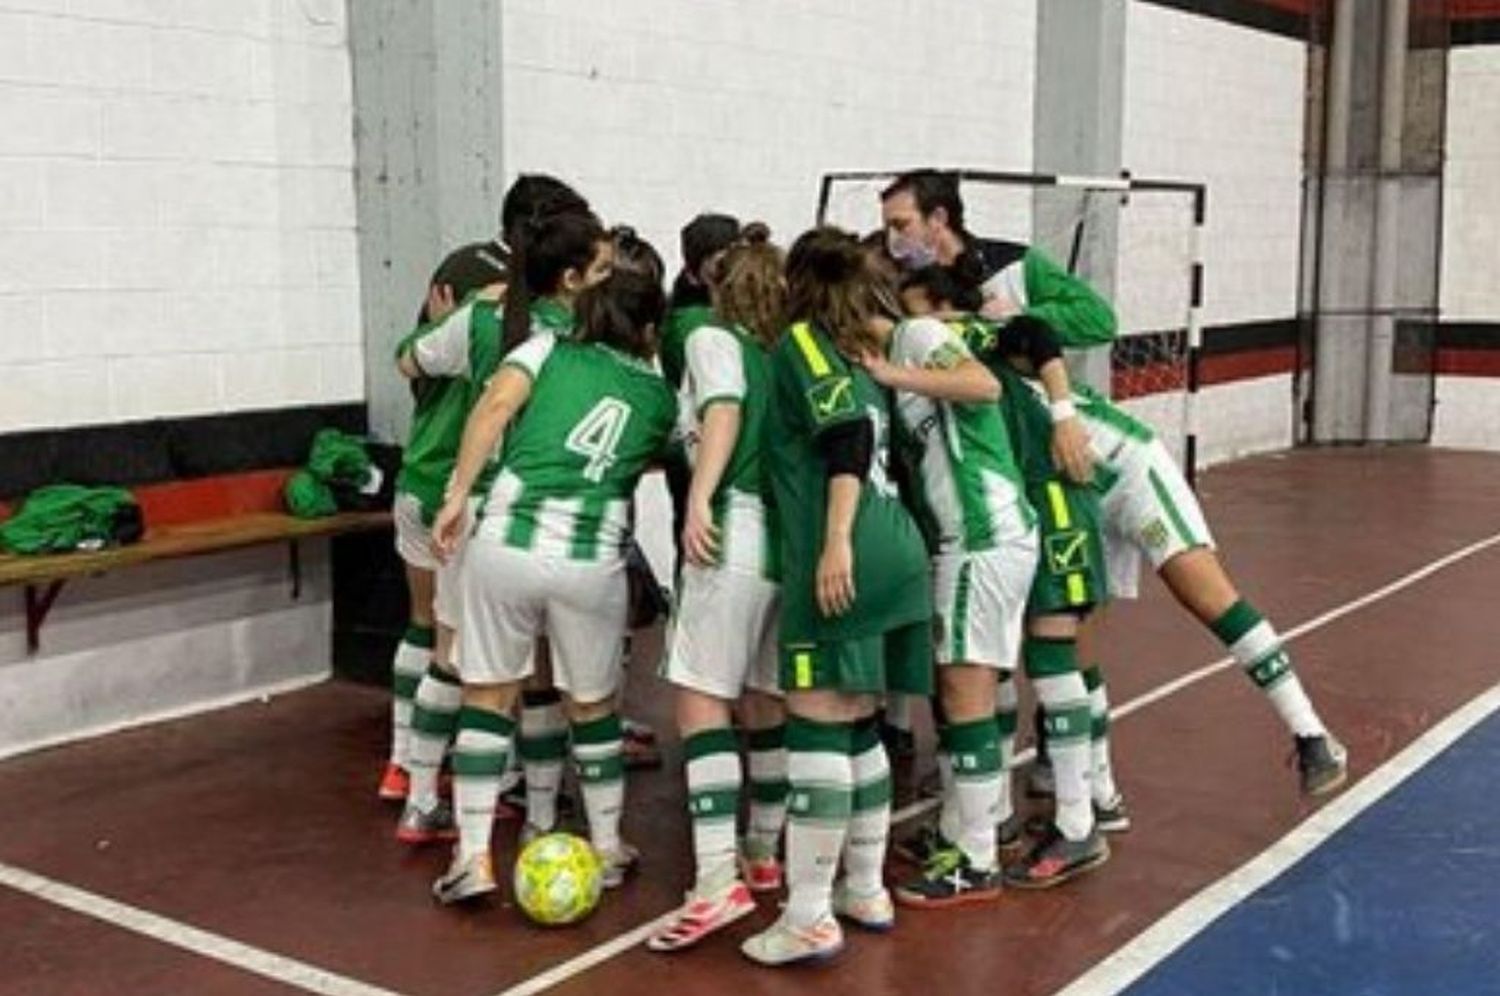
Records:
x=558, y=879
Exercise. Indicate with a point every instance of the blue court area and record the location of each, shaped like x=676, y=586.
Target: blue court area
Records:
x=1404, y=901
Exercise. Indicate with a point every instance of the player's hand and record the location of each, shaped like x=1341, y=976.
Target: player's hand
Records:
x=700, y=537
x=835, y=580
x=999, y=307
x=1071, y=453
x=448, y=527
x=440, y=303
x=880, y=369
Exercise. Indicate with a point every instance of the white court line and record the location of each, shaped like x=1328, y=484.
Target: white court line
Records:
x=287, y=971
x=311, y=979
x=1157, y=942
x=594, y=956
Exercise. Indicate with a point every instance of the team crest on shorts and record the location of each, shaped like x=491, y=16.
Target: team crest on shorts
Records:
x=1155, y=534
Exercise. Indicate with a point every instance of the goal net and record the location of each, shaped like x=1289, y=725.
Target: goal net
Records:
x=1133, y=240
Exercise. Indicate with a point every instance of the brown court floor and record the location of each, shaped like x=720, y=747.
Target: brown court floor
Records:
x=260, y=823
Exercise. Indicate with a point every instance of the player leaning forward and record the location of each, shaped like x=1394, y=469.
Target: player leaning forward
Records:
x=856, y=599
x=576, y=422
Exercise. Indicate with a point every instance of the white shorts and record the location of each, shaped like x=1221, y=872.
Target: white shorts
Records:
x=511, y=597
x=413, y=536
x=1150, y=511
x=722, y=638
x=448, y=592
x=980, y=602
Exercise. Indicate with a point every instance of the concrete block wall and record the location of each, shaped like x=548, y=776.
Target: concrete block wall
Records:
x=1210, y=100
x=176, y=210
x=177, y=237
x=1468, y=393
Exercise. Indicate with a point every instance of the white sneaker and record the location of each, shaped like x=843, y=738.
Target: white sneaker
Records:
x=465, y=879
x=783, y=944
x=873, y=912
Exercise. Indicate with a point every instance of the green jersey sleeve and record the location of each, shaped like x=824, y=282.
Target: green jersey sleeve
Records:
x=1079, y=315
x=442, y=349
x=927, y=343
x=715, y=367
x=823, y=381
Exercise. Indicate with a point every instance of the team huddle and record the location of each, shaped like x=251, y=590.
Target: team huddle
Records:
x=886, y=492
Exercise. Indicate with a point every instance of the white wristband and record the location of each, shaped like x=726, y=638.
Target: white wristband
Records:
x=1062, y=410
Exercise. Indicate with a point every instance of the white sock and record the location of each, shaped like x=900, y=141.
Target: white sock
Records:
x=870, y=812
x=1261, y=654
x=433, y=722
x=821, y=773
x=768, y=790
x=713, y=780
x=1066, y=702
x=598, y=752
x=408, y=666
x=543, y=749
x=1102, y=768
x=975, y=751
x=480, y=753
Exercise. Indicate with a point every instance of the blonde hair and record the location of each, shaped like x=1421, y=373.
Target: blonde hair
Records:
x=749, y=288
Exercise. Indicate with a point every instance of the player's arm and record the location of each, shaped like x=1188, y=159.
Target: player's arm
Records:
x=505, y=395
x=1032, y=340
x=716, y=377
x=932, y=360
x=848, y=450
x=1081, y=316
x=440, y=349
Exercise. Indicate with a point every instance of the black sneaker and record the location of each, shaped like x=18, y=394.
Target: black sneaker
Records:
x=1112, y=817
x=949, y=879
x=1322, y=762
x=920, y=847
x=1055, y=859
x=1008, y=835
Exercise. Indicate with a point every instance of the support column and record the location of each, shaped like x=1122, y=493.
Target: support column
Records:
x=427, y=103
x=1079, y=128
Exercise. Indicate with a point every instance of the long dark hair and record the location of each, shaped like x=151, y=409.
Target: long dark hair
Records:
x=622, y=312
x=533, y=195
x=546, y=247
x=830, y=284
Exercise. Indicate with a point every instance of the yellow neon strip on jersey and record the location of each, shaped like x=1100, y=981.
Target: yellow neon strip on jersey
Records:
x=810, y=351
x=1059, y=503
x=803, y=663
x=1076, y=593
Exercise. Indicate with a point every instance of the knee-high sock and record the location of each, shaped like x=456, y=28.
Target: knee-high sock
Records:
x=1053, y=667
x=821, y=774
x=1257, y=648
x=543, y=748
x=713, y=781
x=434, y=719
x=870, y=810
x=599, y=754
x=480, y=753
x=1007, y=718
x=1102, y=771
x=974, y=748
x=768, y=790
x=413, y=654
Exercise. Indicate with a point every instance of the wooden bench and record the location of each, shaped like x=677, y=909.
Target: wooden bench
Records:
x=183, y=519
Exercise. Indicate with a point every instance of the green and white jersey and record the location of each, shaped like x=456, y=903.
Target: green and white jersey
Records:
x=679, y=323
x=727, y=366
x=1117, y=438
x=969, y=491
x=814, y=389
x=572, y=457
x=457, y=356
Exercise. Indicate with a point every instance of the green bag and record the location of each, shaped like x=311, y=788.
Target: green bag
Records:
x=307, y=497
x=62, y=517
x=337, y=458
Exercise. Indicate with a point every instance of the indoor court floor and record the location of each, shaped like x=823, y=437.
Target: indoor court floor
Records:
x=244, y=852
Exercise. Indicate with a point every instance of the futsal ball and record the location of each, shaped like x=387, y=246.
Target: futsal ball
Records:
x=558, y=879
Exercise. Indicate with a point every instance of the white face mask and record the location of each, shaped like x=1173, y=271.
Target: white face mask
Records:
x=912, y=254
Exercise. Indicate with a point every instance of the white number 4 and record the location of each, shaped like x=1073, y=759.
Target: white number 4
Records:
x=597, y=435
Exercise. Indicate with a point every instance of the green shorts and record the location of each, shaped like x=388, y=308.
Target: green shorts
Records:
x=1070, y=573
x=898, y=660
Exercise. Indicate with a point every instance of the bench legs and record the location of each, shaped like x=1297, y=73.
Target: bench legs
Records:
x=38, y=604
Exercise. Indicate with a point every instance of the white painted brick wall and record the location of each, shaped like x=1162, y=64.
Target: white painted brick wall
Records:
x=661, y=109
x=1470, y=290
x=177, y=226
x=1211, y=101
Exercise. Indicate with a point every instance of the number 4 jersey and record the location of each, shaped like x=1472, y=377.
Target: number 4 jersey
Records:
x=571, y=459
